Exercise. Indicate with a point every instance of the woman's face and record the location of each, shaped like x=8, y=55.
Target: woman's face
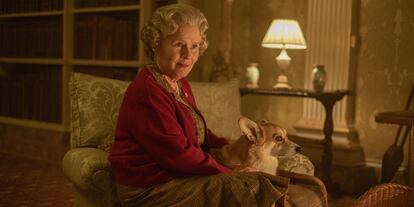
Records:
x=177, y=53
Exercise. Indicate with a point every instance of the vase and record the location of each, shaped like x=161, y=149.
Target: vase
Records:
x=252, y=76
x=318, y=77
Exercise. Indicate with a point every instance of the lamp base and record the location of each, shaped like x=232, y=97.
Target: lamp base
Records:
x=282, y=82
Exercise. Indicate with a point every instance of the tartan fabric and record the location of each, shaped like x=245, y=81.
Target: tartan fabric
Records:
x=236, y=189
x=304, y=195
x=305, y=190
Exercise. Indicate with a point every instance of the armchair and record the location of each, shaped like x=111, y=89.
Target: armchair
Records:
x=95, y=103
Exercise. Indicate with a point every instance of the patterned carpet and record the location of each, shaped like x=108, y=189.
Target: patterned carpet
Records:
x=25, y=182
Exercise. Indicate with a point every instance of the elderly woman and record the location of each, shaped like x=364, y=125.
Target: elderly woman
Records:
x=160, y=154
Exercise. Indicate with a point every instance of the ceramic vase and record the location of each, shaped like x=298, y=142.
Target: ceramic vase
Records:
x=252, y=76
x=318, y=77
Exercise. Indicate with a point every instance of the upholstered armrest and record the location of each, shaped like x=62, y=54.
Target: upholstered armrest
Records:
x=297, y=164
x=87, y=168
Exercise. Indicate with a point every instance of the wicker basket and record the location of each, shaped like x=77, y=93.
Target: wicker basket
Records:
x=388, y=194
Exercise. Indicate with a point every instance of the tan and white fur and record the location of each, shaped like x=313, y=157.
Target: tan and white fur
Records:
x=258, y=148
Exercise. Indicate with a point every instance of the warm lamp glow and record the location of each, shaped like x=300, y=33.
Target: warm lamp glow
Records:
x=284, y=34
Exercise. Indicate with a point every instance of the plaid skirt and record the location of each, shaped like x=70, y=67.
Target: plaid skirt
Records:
x=236, y=189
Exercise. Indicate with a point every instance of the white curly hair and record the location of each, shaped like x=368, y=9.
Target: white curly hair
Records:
x=167, y=20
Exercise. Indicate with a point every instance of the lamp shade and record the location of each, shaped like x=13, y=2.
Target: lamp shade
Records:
x=284, y=34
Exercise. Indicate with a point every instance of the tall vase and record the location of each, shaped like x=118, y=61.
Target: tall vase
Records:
x=252, y=76
x=318, y=77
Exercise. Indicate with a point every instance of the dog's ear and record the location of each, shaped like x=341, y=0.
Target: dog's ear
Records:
x=249, y=128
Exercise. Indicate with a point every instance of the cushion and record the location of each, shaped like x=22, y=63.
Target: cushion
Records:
x=220, y=105
x=95, y=104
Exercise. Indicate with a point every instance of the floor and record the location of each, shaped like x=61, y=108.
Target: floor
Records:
x=26, y=182
x=343, y=201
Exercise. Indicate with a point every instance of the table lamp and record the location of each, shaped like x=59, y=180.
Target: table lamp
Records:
x=283, y=34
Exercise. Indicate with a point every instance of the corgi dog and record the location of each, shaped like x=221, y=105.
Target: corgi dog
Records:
x=258, y=148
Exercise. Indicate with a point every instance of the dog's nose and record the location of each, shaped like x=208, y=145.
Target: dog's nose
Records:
x=298, y=149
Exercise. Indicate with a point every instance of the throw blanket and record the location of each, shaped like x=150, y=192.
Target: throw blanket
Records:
x=236, y=189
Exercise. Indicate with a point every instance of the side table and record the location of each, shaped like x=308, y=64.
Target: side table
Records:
x=402, y=118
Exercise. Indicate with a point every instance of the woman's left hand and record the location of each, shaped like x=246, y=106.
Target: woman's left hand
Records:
x=247, y=169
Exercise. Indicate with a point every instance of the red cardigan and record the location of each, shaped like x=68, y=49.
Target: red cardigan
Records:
x=155, y=138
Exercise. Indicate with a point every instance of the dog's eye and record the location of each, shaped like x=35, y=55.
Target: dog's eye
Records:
x=278, y=138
